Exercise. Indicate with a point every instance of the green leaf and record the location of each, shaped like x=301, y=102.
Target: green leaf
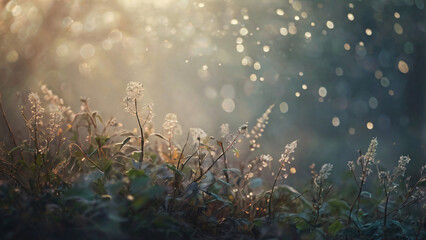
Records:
x=256, y=182
x=337, y=206
x=215, y=196
x=160, y=136
x=227, y=184
x=101, y=140
x=13, y=149
x=124, y=143
x=173, y=168
x=100, y=118
x=135, y=173
x=335, y=227
x=234, y=170
x=366, y=194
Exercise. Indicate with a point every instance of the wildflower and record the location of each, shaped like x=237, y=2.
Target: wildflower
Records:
x=197, y=134
x=53, y=125
x=57, y=104
x=134, y=90
x=324, y=173
x=423, y=170
x=258, y=129
x=36, y=109
x=400, y=169
x=289, y=149
x=369, y=157
x=148, y=112
x=266, y=158
x=351, y=165
x=224, y=130
x=243, y=128
x=371, y=152
x=170, y=124
x=384, y=177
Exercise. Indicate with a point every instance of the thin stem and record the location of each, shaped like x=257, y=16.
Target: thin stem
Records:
x=142, y=137
x=176, y=183
x=84, y=154
x=272, y=191
x=356, y=199
x=319, y=202
x=225, y=162
x=217, y=159
x=181, y=153
x=356, y=181
x=8, y=126
x=187, y=160
x=386, y=204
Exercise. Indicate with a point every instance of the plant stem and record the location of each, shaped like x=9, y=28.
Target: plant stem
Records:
x=176, y=183
x=84, y=154
x=8, y=126
x=356, y=199
x=386, y=204
x=319, y=202
x=217, y=159
x=272, y=191
x=226, y=163
x=142, y=137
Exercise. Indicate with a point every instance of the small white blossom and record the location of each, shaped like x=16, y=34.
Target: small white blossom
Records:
x=400, y=169
x=266, y=158
x=289, y=149
x=324, y=173
x=36, y=110
x=224, y=129
x=243, y=128
x=134, y=90
x=384, y=177
x=170, y=123
x=351, y=165
x=198, y=134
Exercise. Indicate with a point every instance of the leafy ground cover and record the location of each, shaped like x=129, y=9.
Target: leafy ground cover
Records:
x=79, y=176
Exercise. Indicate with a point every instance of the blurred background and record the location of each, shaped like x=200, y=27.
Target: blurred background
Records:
x=338, y=72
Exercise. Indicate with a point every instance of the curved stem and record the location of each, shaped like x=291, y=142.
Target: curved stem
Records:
x=142, y=137
x=272, y=191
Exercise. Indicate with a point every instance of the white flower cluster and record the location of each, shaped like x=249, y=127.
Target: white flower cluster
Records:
x=197, y=134
x=367, y=160
x=243, y=128
x=351, y=165
x=170, y=124
x=224, y=130
x=258, y=129
x=256, y=165
x=289, y=149
x=266, y=159
x=36, y=111
x=324, y=173
x=57, y=104
x=134, y=92
x=285, y=157
x=53, y=125
x=384, y=177
x=400, y=169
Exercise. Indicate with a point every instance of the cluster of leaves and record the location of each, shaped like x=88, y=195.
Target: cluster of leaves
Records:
x=93, y=179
